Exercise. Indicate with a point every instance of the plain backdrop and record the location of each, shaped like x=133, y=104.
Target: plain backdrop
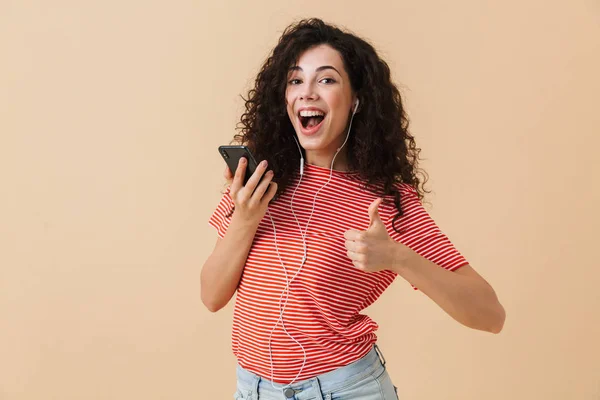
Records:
x=110, y=117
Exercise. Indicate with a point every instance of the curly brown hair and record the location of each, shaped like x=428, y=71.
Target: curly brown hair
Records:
x=380, y=148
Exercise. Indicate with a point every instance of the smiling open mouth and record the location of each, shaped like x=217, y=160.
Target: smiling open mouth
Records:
x=310, y=122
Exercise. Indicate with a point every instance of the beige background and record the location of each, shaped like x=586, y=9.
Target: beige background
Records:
x=110, y=116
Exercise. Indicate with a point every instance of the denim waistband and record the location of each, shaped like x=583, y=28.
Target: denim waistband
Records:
x=372, y=363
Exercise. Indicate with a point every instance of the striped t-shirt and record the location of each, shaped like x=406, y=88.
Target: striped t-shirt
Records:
x=325, y=299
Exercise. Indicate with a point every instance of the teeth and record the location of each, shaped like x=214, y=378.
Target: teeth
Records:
x=312, y=114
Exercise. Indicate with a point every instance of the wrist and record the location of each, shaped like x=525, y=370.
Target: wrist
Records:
x=402, y=258
x=248, y=225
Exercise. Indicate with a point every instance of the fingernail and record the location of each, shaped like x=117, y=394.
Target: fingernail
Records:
x=242, y=161
x=263, y=163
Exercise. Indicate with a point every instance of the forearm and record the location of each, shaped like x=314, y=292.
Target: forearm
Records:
x=468, y=299
x=223, y=269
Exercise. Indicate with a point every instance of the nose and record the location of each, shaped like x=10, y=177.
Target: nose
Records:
x=308, y=92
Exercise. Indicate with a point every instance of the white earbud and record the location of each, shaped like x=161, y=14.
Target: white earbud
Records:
x=301, y=157
x=356, y=105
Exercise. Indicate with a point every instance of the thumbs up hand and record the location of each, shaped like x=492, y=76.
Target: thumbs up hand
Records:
x=371, y=250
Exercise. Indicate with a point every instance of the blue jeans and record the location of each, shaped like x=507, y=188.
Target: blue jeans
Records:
x=364, y=379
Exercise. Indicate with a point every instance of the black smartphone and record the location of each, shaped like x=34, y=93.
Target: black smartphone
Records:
x=232, y=155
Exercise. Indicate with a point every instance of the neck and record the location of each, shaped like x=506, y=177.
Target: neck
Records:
x=323, y=159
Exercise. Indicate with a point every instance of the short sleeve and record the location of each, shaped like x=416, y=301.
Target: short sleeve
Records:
x=221, y=217
x=418, y=231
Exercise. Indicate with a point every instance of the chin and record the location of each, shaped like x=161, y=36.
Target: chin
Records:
x=310, y=143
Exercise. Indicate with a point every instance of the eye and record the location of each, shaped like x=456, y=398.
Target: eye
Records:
x=294, y=81
x=329, y=81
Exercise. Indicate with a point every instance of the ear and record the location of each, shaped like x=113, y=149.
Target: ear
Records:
x=355, y=105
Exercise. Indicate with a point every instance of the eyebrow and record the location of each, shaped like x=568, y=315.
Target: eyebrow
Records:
x=321, y=68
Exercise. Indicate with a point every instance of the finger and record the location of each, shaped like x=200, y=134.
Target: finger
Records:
x=360, y=265
x=228, y=175
x=353, y=234
x=271, y=192
x=353, y=246
x=262, y=187
x=255, y=178
x=374, y=217
x=354, y=256
x=238, y=179
x=351, y=255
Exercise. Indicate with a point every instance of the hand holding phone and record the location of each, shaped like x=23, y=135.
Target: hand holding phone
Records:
x=232, y=156
x=251, y=187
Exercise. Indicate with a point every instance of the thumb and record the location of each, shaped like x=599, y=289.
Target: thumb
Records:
x=374, y=218
x=228, y=175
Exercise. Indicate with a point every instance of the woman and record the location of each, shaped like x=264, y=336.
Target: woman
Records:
x=336, y=217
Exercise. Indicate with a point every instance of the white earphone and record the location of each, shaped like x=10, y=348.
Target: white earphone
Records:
x=305, y=247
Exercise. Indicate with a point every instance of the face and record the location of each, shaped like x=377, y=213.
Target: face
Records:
x=319, y=99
